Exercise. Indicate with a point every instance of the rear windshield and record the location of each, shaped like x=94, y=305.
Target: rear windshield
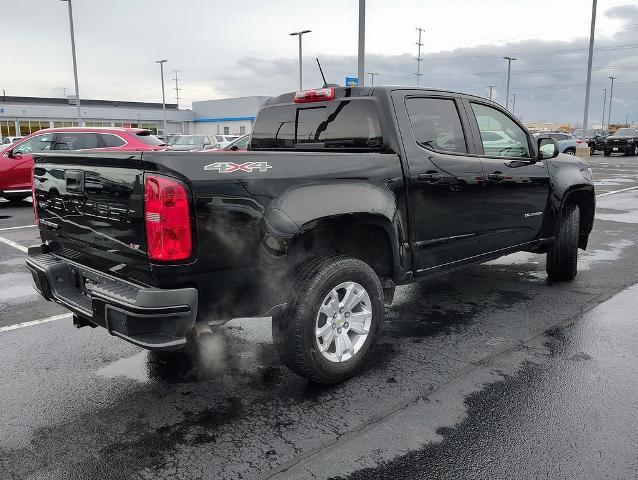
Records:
x=149, y=139
x=347, y=124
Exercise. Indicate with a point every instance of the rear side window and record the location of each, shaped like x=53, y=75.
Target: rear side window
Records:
x=112, y=141
x=436, y=124
x=348, y=124
x=149, y=139
x=78, y=141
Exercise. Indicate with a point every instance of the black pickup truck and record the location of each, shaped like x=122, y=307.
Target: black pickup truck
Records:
x=344, y=194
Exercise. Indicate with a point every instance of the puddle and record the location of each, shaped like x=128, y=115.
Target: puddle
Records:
x=590, y=257
x=134, y=368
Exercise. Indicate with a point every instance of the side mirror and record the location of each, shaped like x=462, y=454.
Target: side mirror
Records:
x=12, y=154
x=547, y=148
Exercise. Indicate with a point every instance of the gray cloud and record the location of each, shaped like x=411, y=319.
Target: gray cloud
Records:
x=548, y=86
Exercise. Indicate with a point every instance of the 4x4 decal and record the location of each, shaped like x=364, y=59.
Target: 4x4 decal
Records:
x=229, y=167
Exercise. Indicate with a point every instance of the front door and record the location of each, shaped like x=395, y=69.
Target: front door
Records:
x=517, y=185
x=16, y=164
x=446, y=179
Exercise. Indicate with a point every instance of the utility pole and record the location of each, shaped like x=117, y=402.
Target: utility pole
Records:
x=602, y=126
x=611, y=95
x=507, y=92
x=418, y=57
x=626, y=120
x=75, y=64
x=589, y=62
x=177, y=89
x=362, y=43
x=513, y=102
x=372, y=74
x=491, y=87
x=161, y=64
x=300, y=34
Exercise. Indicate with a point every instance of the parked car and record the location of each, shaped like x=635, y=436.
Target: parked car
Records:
x=186, y=143
x=16, y=160
x=596, y=143
x=6, y=141
x=567, y=142
x=345, y=193
x=223, y=140
x=499, y=142
x=239, y=144
x=590, y=133
x=624, y=140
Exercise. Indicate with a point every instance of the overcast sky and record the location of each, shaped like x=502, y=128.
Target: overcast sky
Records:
x=225, y=49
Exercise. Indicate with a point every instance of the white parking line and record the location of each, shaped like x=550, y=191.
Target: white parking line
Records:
x=17, y=228
x=13, y=244
x=8, y=328
x=617, y=191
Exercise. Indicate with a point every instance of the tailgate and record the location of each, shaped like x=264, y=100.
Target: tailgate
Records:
x=91, y=210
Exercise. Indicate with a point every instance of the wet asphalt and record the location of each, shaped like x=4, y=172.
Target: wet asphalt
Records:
x=489, y=372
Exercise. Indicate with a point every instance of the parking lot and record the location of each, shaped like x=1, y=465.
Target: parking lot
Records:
x=489, y=372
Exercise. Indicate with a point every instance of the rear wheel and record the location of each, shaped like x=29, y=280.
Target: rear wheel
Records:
x=635, y=152
x=332, y=321
x=562, y=255
x=570, y=151
x=16, y=198
x=607, y=152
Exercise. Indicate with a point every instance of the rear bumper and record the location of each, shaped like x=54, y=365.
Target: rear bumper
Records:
x=152, y=318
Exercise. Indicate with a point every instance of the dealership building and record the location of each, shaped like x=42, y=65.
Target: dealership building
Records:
x=20, y=116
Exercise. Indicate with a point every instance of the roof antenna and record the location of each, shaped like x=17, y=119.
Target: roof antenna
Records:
x=321, y=71
x=325, y=84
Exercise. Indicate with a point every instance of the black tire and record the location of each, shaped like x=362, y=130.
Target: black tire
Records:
x=562, y=255
x=16, y=198
x=592, y=151
x=635, y=151
x=607, y=153
x=294, y=331
x=570, y=151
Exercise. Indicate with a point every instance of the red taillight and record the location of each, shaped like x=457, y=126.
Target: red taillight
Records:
x=168, y=225
x=34, y=200
x=579, y=140
x=317, y=95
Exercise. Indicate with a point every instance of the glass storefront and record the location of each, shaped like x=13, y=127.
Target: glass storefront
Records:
x=28, y=127
x=7, y=128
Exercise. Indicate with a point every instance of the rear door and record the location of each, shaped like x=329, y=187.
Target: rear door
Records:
x=446, y=178
x=517, y=186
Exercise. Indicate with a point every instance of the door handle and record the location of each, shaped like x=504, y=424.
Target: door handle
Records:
x=496, y=176
x=431, y=177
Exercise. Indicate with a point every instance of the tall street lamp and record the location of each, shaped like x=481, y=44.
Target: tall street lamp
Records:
x=507, y=92
x=372, y=74
x=602, y=125
x=513, y=102
x=75, y=63
x=589, y=62
x=361, y=48
x=300, y=34
x=611, y=95
x=161, y=64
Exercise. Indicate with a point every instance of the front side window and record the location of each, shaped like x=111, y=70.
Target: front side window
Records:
x=39, y=143
x=514, y=141
x=436, y=124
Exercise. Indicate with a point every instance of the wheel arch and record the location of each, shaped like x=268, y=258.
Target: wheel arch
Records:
x=583, y=196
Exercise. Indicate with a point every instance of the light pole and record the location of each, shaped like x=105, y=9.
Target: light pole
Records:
x=491, y=87
x=589, y=62
x=602, y=126
x=418, y=57
x=300, y=34
x=161, y=64
x=362, y=43
x=75, y=63
x=507, y=92
x=513, y=102
x=611, y=95
x=372, y=74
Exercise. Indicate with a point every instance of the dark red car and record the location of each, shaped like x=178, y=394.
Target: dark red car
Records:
x=16, y=160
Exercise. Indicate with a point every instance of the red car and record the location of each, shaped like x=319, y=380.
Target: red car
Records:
x=16, y=160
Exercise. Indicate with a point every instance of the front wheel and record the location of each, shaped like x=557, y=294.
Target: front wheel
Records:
x=333, y=320
x=607, y=153
x=562, y=255
x=635, y=150
x=570, y=151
